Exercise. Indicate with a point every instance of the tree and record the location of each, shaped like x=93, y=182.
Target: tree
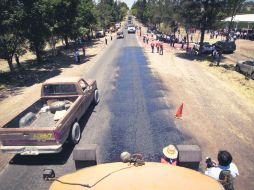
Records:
x=11, y=37
x=85, y=18
x=123, y=9
x=189, y=16
x=36, y=25
x=232, y=7
x=65, y=14
x=205, y=13
x=139, y=9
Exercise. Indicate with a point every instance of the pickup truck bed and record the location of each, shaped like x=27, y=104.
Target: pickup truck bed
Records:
x=43, y=118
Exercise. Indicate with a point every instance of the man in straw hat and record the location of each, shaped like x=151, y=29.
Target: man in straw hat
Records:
x=170, y=154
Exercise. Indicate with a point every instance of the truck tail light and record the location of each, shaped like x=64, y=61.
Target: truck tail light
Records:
x=57, y=135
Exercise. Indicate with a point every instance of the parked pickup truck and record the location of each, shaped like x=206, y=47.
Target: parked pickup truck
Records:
x=46, y=125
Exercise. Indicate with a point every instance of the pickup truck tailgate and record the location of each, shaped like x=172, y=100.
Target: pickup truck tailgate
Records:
x=23, y=138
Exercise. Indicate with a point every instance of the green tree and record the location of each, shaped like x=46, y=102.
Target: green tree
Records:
x=36, y=25
x=11, y=37
x=123, y=9
x=138, y=9
x=105, y=13
x=65, y=13
x=204, y=14
x=231, y=9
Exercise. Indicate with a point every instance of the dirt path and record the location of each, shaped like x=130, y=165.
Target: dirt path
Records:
x=216, y=116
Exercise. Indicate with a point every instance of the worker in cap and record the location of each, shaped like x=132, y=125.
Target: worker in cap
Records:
x=170, y=154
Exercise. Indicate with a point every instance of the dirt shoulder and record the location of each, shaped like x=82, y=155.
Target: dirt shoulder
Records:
x=217, y=115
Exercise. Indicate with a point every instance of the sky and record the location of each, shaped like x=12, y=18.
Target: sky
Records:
x=128, y=2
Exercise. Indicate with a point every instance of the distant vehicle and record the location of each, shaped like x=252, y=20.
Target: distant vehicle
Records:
x=225, y=46
x=131, y=29
x=100, y=33
x=117, y=25
x=207, y=48
x=119, y=35
x=246, y=67
x=44, y=126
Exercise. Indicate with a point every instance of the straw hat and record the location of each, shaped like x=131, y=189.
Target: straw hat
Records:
x=170, y=151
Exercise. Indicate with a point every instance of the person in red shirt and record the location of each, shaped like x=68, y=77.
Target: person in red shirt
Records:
x=157, y=46
x=152, y=46
x=170, y=154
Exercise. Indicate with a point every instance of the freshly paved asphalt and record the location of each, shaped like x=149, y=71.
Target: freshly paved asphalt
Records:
x=131, y=116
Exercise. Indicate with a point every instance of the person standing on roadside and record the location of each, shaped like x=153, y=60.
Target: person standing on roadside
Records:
x=161, y=48
x=75, y=55
x=84, y=50
x=78, y=56
x=157, y=46
x=106, y=40
x=152, y=46
x=147, y=38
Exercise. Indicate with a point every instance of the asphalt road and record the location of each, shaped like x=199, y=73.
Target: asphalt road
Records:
x=131, y=116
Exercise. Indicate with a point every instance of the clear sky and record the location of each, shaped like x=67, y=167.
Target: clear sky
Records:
x=128, y=2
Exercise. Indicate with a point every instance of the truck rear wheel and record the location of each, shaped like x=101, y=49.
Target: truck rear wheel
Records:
x=96, y=97
x=75, y=134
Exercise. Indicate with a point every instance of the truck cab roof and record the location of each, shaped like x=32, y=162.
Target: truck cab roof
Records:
x=63, y=80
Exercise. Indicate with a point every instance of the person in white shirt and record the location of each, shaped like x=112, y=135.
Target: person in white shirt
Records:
x=225, y=163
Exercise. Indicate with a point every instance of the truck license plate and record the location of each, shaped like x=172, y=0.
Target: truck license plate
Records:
x=43, y=136
x=30, y=151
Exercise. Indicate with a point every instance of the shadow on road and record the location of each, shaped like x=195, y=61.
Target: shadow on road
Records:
x=52, y=159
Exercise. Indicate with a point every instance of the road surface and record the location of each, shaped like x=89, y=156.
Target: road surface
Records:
x=132, y=115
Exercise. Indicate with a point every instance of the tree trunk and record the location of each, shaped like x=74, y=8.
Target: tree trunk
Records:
x=10, y=65
x=38, y=55
x=187, y=38
x=66, y=41
x=17, y=61
x=235, y=7
x=201, y=40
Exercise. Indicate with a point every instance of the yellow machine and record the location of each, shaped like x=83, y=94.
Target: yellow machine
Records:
x=135, y=174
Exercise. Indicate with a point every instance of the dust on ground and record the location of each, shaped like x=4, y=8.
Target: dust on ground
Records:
x=218, y=103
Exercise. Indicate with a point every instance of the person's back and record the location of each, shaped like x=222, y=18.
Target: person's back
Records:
x=226, y=179
x=225, y=172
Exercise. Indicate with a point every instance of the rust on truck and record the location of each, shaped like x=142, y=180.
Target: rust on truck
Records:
x=45, y=125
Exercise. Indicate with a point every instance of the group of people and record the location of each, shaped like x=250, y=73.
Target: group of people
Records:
x=146, y=38
x=158, y=45
x=224, y=171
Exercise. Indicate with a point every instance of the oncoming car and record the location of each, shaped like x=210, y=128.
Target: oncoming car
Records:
x=246, y=67
x=119, y=35
x=131, y=29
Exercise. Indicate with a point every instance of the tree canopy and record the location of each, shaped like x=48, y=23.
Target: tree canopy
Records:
x=34, y=23
x=200, y=14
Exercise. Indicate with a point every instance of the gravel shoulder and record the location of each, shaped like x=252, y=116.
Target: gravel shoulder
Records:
x=218, y=110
